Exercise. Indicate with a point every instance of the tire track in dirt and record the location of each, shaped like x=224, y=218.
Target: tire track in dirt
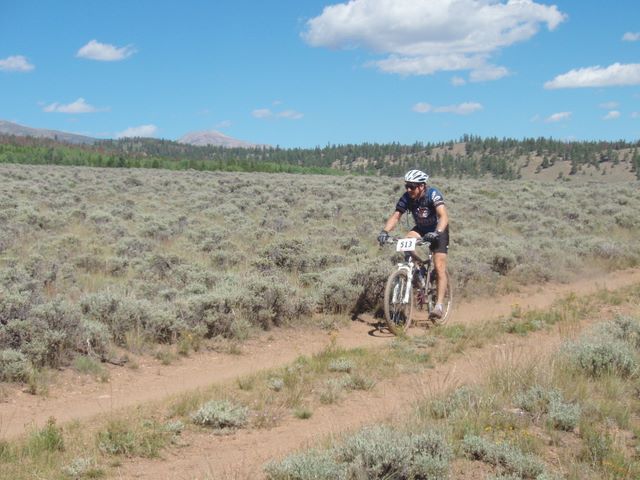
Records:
x=76, y=398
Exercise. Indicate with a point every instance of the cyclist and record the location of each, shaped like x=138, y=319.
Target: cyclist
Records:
x=426, y=204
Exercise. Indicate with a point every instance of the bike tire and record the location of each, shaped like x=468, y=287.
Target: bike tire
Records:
x=397, y=313
x=448, y=302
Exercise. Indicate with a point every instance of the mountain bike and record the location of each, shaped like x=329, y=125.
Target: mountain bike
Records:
x=413, y=286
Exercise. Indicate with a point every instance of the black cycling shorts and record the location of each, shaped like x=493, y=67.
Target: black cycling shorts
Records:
x=442, y=245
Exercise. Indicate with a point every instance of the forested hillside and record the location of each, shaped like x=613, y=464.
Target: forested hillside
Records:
x=469, y=156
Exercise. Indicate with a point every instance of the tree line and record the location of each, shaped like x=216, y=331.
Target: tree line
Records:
x=475, y=156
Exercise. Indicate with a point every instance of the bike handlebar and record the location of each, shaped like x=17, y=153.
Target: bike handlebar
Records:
x=419, y=241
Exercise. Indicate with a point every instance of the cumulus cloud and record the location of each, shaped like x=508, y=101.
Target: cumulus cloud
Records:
x=612, y=76
x=458, y=81
x=558, y=117
x=631, y=37
x=609, y=105
x=424, y=37
x=290, y=114
x=267, y=113
x=461, y=109
x=612, y=115
x=104, y=52
x=79, y=106
x=16, y=63
x=262, y=113
x=140, y=131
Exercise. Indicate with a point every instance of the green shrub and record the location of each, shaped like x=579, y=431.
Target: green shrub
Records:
x=598, y=356
x=14, y=306
x=380, y=452
x=463, y=398
x=83, y=467
x=14, y=366
x=340, y=365
x=536, y=400
x=312, y=465
x=622, y=328
x=564, y=416
x=502, y=454
x=272, y=301
x=93, y=338
x=215, y=311
x=117, y=439
x=47, y=439
x=221, y=414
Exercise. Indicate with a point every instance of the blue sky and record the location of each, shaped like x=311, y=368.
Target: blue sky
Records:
x=307, y=73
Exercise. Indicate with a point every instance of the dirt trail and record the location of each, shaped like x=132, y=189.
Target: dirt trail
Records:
x=244, y=454
x=74, y=397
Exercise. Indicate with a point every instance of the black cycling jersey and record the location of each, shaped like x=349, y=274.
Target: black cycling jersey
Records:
x=423, y=209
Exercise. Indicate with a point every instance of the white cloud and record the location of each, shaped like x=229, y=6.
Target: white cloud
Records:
x=105, y=52
x=612, y=115
x=262, y=113
x=290, y=114
x=609, y=105
x=16, y=63
x=140, y=131
x=423, y=37
x=558, y=117
x=421, y=107
x=487, y=73
x=461, y=109
x=79, y=106
x=267, y=113
x=458, y=81
x=631, y=37
x=635, y=114
x=611, y=76
x=224, y=124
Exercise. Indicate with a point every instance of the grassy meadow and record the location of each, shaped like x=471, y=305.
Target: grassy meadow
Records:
x=95, y=258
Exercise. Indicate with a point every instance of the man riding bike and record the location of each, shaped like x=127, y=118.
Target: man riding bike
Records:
x=426, y=204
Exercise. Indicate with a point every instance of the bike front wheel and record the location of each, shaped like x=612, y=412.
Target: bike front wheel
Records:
x=398, y=302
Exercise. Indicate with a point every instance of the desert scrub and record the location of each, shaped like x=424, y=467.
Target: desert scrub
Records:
x=341, y=365
x=272, y=301
x=75, y=232
x=539, y=401
x=14, y=366
x=123, y=314
x=504, y=455
x=142, y=438
x=47, y=336
x=377, y=452
x=599, y=355
x=221, y=414
x=47, y=439
x=380, y=452
x=311, y=465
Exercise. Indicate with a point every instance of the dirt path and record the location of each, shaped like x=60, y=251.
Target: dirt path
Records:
x=243, y=455
x=75, y=397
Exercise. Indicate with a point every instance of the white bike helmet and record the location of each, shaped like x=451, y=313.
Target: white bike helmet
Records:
x=416, y=176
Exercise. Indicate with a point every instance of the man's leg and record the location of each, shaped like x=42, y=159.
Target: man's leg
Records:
x=440, y=263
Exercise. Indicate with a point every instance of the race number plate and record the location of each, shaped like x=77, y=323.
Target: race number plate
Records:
x=406, y=245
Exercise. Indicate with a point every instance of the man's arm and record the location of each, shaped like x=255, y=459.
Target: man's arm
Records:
x=392, y=221
x=443, y=218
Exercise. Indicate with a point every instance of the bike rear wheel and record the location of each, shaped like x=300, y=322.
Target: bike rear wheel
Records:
x=447, y=305
x=398, y=305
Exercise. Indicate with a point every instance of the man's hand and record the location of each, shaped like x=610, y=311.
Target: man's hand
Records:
x=383, y=237
x=431, y=237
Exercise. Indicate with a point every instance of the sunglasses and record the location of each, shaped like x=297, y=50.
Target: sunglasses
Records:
x=411, y=186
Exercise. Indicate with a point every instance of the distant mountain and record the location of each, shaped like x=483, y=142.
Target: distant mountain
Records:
x=215, y=138
x=8, y=128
